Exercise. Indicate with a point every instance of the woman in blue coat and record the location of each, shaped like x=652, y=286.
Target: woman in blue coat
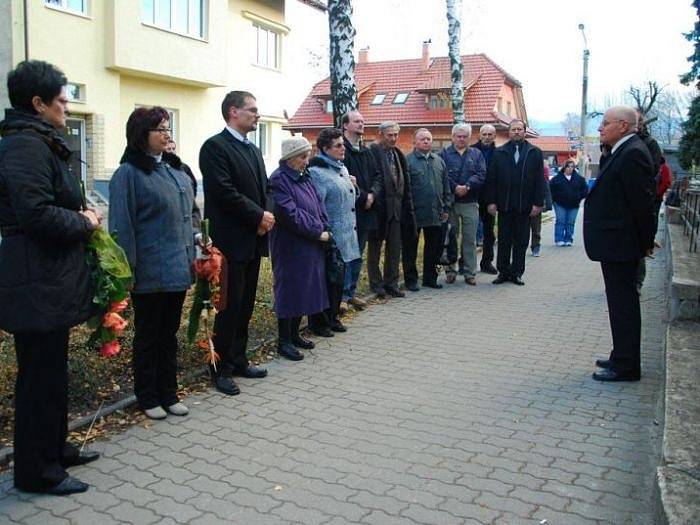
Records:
x=568, y=190
x=154, y=217
x=297, y=247
x=338, y=192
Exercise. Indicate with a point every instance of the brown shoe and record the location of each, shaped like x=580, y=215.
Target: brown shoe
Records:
x=470, y=281
x=358, y=303
x=450, y=278
x=344, y=307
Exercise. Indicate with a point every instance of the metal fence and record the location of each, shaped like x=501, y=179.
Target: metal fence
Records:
x=685, y=194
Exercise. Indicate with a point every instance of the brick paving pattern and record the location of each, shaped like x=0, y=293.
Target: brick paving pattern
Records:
x=458, y=406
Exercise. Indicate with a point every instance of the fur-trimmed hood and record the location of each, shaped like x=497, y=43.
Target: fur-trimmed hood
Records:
x=147, y=163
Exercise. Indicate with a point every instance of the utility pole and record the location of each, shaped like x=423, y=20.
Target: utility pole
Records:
x=584, y=104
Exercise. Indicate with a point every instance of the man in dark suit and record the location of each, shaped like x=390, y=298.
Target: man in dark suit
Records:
x=514, y=190
x=396, y=219
x=618, y=229
x=235, y=202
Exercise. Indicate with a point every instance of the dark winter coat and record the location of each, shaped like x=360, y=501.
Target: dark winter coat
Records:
x=396, y=200
x=361, y=165
x=467, y=169
x=568, y=193
x=44, y=279
x=504, y=176
x=298, y=256
x=657, y=157
x=235, y=196
x=618, y=220
x=430, y=188
x=487, y=153
x=153, y=215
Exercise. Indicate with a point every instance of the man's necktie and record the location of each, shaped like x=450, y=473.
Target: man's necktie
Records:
x=516, y=157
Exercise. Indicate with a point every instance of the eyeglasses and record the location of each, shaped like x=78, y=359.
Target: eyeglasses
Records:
x=161, y=130
x=338, y=146
x=253, y=111
x=608, y=122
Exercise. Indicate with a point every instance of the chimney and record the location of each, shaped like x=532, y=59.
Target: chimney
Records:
x=425, y=58
x=363, y=58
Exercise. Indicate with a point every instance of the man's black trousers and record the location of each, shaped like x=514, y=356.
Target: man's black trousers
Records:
x=513, y=238
x=489, y=222
x=432, y=249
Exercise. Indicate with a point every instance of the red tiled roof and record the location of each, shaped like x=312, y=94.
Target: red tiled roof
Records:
x=552, y=143
x=483, y=82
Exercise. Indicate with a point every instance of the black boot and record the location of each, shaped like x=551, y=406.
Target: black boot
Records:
x=285, y=348
x=298, y=340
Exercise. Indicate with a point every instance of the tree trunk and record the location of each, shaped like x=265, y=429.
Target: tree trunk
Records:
x=342, y=60
x=454, y=27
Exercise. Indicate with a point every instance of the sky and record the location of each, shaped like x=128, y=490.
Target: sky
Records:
x=537, y=41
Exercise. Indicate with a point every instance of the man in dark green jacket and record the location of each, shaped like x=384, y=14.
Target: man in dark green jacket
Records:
x=432, y=201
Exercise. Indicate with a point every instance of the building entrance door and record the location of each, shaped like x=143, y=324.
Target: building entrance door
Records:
x=75, y=137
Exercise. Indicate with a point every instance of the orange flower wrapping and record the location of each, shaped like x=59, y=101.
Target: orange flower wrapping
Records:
x=114, y=321
x=211, y=270
x=119, y=306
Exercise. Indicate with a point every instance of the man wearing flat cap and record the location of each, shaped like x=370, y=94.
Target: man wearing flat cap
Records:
x=396, y=215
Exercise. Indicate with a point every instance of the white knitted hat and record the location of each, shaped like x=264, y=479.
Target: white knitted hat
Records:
x=294, y=146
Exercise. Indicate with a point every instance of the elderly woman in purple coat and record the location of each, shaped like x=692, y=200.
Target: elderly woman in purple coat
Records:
x=297, y=247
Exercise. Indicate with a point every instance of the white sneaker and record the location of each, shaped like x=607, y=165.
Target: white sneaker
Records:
x=561, y=243
x=155, y=413
x=178, y=409
x=344, y=307
x=568, y=244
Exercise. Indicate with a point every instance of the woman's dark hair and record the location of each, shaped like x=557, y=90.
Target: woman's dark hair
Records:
x=567, y=163
x=141, y=121
x=326, y=137
x=32, y=78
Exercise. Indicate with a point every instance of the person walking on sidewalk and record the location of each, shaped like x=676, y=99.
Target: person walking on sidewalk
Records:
x=568, y=190
x=432, y=200
x=514, y=190
x=369, y=181
x=618, y=225
x=466, y=171
x=486, y=145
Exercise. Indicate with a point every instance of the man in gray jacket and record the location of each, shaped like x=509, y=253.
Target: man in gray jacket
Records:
x=432, y=200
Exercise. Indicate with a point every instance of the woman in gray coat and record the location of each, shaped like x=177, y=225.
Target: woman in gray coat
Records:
x=338, y=192
x=153, y=216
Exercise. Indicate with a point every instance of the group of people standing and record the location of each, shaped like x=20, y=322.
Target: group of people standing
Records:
x=313, y=216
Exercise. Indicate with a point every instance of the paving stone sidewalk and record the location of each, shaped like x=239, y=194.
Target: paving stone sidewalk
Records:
x=456, y=406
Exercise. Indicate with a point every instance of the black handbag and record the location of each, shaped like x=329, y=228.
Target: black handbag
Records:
x=335, y=266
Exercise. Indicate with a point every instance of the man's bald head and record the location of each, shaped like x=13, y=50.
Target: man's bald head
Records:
x=618, y=122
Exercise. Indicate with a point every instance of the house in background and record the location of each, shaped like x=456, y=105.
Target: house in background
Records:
x=417, y=93
x=556, y=149
x=183, y=55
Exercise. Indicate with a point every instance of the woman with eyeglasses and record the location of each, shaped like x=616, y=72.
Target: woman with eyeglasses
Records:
x=45, y=285
x=338, y=192
x=568, y=190
x=154, y=217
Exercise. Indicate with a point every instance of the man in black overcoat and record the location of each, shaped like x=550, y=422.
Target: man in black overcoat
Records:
x=618, y=229
x=514, y=190
x=235, y=202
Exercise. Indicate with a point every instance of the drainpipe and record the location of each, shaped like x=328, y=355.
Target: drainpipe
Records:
x=26, y=31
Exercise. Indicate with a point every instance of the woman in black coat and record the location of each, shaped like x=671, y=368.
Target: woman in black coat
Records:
x=44, y=278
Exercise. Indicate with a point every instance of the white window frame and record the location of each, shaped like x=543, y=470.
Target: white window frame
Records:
x=62, y=5
x=277, y=62
x=82, y=95
x=400, y=98
x=149, y=18
x=328, y=105
x=378, y=99
x=261, y=137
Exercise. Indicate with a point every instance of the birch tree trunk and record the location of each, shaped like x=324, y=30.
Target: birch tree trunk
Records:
x=454, y=28
x=342, y=61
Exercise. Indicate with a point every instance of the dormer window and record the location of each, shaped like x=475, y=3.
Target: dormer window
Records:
x=329, y=106
x=378, y=99
x=400, y=98
x=439, y=101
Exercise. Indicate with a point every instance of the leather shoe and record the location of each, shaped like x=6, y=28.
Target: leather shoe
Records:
x=380, y=293
x=251, y=372
x=608, y=374
x=300, y=342
x=226, y=385
x=489, y=268
x=395, y=292
x=433, y=285
x=288, y=351
x=323, y=331
x=500, y=279
x=470, y=281
x=518, y=281
x=337, y=326
x=603, y=363
x=450, y=278
x=69, y=485
x=412, y=287
x=81, y=458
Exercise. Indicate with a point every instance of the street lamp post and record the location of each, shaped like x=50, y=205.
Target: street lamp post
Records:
x=584, y=102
